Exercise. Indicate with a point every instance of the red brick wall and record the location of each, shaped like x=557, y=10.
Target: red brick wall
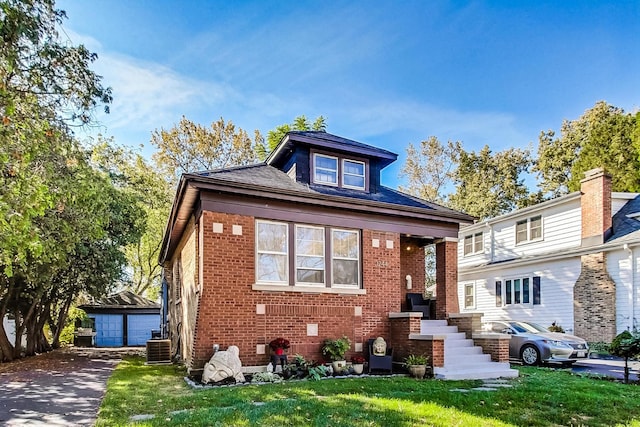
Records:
x=227, y=306
x=402, y=346
x=596, y=205
x=446, y=278
x=469, y=323
x=494, y=345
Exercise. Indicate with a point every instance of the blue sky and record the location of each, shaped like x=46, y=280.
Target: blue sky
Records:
x=386, y=73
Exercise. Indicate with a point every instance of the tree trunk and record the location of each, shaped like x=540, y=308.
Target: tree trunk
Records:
x=626, y=370
x=62, y=319
x=6, y=349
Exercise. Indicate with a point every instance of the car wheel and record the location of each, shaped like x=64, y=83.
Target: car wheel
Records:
x=530, y=355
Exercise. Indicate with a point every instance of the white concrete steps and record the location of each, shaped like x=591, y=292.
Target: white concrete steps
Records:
x=488, y=371
x=462, y=359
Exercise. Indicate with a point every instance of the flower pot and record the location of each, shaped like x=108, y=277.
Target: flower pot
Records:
x=358, y=368
x=338, y=366
x=418, y=371
x=279, y=351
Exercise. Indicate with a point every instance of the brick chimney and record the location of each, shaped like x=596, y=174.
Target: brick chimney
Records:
x=594, y=294
x=596, y=207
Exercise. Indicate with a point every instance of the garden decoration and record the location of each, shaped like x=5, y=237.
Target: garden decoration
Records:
x=417, y=365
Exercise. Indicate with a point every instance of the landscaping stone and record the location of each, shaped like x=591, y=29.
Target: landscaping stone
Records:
x=142, y=417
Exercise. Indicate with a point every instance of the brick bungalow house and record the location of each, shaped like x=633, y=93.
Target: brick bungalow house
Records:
x=308, y=245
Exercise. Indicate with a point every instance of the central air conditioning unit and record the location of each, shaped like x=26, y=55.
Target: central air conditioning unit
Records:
x=158, y=351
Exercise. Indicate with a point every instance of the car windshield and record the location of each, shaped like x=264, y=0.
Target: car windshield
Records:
x=522, y=327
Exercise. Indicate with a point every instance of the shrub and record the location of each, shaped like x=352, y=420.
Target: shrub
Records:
x=335, y=349
x=625, y=345
x=266, y=377
x=415, y=359
x=555, y=328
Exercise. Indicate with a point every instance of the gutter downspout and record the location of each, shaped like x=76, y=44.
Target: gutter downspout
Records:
x=632, y=263
x=492, y=247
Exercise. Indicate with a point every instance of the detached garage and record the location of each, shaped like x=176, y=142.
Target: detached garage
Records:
x=123, y=319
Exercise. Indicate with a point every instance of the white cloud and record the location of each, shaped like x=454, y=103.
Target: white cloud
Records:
x=473, y=128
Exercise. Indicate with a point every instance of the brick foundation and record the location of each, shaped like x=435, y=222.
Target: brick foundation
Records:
x=405, y=339
x=496, y=345
x=469, y=323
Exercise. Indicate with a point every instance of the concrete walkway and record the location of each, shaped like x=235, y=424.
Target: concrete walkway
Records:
x=61, y=388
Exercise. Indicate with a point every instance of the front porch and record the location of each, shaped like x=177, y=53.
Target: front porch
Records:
x=456, y=347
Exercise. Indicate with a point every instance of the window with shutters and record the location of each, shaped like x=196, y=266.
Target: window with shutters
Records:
x=518, y=291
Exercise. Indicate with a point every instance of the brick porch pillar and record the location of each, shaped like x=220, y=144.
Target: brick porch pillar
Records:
x=447, y=277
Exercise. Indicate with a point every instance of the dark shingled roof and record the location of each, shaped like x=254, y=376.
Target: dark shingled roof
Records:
x=329, y=142
x=274, y=179
x=328, y=137
x=625, y=228
x=124, y=299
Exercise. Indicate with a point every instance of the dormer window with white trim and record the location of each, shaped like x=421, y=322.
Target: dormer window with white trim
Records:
x=339, y=171
x=353, y=174
x=529, y=229
x=325, y=169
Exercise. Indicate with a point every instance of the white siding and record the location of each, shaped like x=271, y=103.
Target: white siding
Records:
x=557, y=279
x=561, y=229
x=619, y=268
x=10, y=328
x=621, y=265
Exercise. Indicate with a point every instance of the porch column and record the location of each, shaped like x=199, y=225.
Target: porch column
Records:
x=446, y=277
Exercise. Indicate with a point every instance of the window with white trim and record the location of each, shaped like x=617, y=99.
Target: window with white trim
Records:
x=272, y=241
x=470, y=295
x=325, y=169
x=353, y=174
x=521, y=290
x=529, y=229
x=345, y=256
x=339, y=171
x=322, y=256
x=309, y=255
x=473, y=244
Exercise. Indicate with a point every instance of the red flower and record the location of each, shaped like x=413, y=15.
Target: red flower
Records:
x=279, y=343
x=357, y=359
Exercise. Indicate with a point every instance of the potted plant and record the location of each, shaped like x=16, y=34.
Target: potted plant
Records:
x=357, y=363
x=279, y=345
x=335, y=350
x=417, y=365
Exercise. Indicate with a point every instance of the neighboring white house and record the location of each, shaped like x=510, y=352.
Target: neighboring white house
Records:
x=573, y=260
x=10, y=329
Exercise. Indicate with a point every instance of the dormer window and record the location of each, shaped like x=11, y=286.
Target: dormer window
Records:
x=353, y=174
x=339, y=171
x=325, y=169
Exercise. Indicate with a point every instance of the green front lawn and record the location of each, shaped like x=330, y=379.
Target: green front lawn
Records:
x=540, y=397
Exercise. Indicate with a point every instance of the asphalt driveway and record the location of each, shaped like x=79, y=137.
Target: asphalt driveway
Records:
x=61, y=388
x=613, y=368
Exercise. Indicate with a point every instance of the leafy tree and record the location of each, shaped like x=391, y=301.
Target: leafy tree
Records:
x=82, y=239
x=602, y=137
x=490, y=184
x=625, y=345
x=133, y=174
x=54, y=208
x=45, y=86
x=300, y=123
x=430, y=169
x=190, y=147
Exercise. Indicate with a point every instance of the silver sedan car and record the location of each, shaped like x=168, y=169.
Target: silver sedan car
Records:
x=533, y=344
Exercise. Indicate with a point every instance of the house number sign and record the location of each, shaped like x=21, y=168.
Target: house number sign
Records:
x=382, y=264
